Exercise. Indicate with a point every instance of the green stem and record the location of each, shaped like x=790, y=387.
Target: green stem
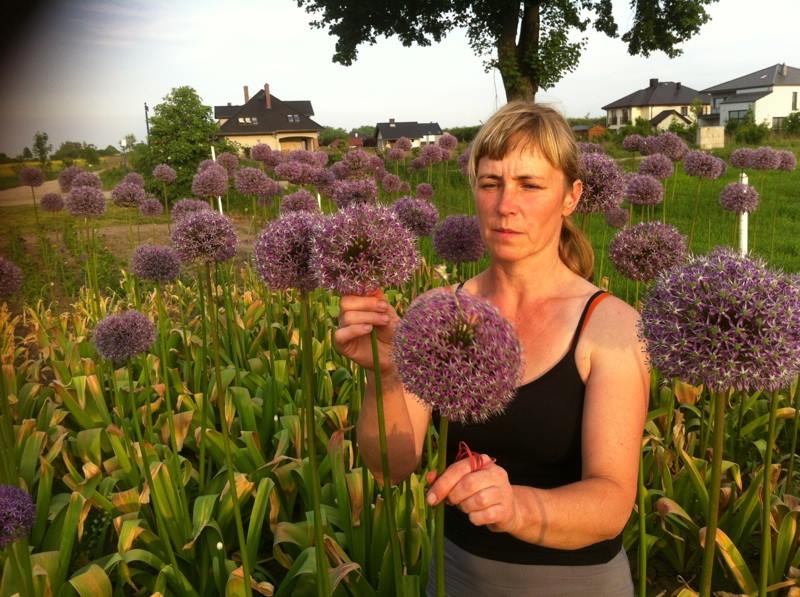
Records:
x=765, y=556
x=793, y=447
x=206, y=404
x=438, y=526
x=642, y=516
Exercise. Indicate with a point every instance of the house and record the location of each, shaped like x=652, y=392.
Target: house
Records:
x=263, y=118
x=585, y=131
x=420, y=133
x=770, y=93
x=661, y=103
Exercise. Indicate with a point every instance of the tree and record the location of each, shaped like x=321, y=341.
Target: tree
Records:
x=26, y=153
x=529, y=42
x=330, y=133
x=41, y=149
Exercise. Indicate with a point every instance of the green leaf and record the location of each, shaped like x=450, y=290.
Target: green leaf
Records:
x=93, y=582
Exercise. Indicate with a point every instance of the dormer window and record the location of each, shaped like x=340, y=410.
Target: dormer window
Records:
x=248, y=120
x=293, y=117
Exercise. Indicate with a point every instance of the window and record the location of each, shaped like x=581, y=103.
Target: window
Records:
x=248, y=120
x=737, y=115
x=625, y=116
x=685, y=110
x=777, y=123
x=293, y=117
x=794, y=100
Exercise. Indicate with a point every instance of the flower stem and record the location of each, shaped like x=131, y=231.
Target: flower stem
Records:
x=206, y=406
x=789, y=488
x=642, y=516
x=438, y=526
x=712, y=519
x=766, y=533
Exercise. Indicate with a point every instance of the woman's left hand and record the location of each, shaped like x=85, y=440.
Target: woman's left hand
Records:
x=485, y=494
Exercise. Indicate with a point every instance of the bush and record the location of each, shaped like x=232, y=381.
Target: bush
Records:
x=791, y=125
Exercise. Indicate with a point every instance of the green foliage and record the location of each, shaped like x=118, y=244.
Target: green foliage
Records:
x=641, y=126
x=464, y=134
x=26, y=153
x=747, y=131
x=688, y=133
x=329, y=134
x=109, y=150
x=792, y=124
x=69, y=151
x=365, y=131
x=41, y=148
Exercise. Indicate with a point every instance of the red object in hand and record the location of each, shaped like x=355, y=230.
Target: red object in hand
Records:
x=476, y=462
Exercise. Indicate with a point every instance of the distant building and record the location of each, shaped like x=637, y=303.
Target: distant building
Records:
x=420, y=133
x=589, y=131
x=660, y=103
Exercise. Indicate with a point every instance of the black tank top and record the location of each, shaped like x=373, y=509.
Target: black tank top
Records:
x=537, y=440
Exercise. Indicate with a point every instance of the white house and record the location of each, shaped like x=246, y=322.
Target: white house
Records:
x=661, y=103
x=771, y=93
x=420, y=133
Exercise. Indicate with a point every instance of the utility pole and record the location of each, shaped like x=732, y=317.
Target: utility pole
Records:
x=147, y=122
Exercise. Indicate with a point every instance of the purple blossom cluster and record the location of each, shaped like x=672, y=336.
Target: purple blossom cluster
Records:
x=448, y=142
x=165, y=174
x=766, y=158
x=703, y=165
x=725, y=321
x=633, y=142
x=617, y=217
x=456, y=353
x=185, y=207
x=297, y=172
x=433, y=154
x=121, y=337
x=457, y=239
x=10, y=278
x=52, y=202
x=31, y=177
x=403, y=143
x=672, y=146
x=283, y=251
x=395, y=154
x=301, y=200
x=424, y=190
x=229, y=161
x=66, y=176
x=17, y=514
x=206, y=164
x=463, y=160
x=85, y=201
x=644, y=189
x=127, y=194
x=603, y=183
x=417, y=214
x=151, y=207
x=657, y=165
x=212, y=181
x=86, y=179
x=650, y=145
x=133, y=178
x=204, y=236
x=260, y=152
x=254, y=183
x=313, y=158
x=643, y=251
x=742, y=158
x=362, y=248
x=157, y=263
x=788, y=160
x=586, y=147
x=391, y=183
x=739, y=198
x=349, y=192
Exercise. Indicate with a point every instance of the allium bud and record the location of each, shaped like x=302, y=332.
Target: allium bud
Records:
x=632, y=142
x=742, y=158
x=350, y=192
x=703, y=165
x=788, y=160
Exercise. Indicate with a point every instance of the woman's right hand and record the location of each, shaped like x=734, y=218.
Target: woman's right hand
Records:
x=358, y=315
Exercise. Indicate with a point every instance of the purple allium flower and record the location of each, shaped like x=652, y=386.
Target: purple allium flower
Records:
x=362, y=248
x=739, y=198
x=66, y=176
x=282, y=251
x=17, y=514
x=766, y=158
x=158, y=263
x=260, y=152
x=359, y=190
x=725, y=321
x=584, y=147
x=31, y=177
x=419, y=163
x=204, y=236
x=788, y=160
x=395, y=154
x=127, y=194
x=742, y=158
x=229, y=161
x=123, y=336
x=632, y=143
x=340, y=170
x=391, y=183
x=657, y=165
x=165, y=174
x=456, y=353
x=649, y=146
x=463, y=159
x=301, y=200
x=206, y=164
x=296, y=172
x=86, y=179
x=185, y=207
x=151, y=207
x=433, y=154
x=52, y=202
x=643, y=189
x=254, y=183
x=457, y=239
x=85, y=201
x=133, y=178
x=448, y=142
x=10, y=278
x=603, y=183
x=702, y=164
x=210, y=182
x=403, y=143
x=417, y=214
x=672, y=146
x=617, y=217
x=313, y=158
x=643, y=251
x=405, y=187
x=424, y=190
x=375, y=164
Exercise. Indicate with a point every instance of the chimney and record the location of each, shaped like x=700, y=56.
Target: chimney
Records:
x=246, y=94
x=784, y=69
x=678, y=85
x=391, y=122
x=267, y=97
x=653, y=82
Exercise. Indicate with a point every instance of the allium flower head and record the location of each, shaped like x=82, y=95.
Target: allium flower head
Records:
x=458, y=239
x=282, y=251
x=739, y=198
x=632, y=143
x=313, y=158
x=207, y=163
x=788, y=160
x=419, y=163
x=424, y=190
x=17, y=514
x=133, y=178
x=229, y=161
x=703, y=165
x=643, y=251
x=433, y=154
x=585, y=147
x=448, y=142
x=403, y=143
x=297, y=172
x=361, y=248
x=260, y=152
x=185, y=207
x=254, y=183
x=456, y=353
x=349, y=192
x=742, y=158
x=416, y=214
x=204, y=236
x=617, y=217
x=151, y=207
x=301, y=200
x=672, y=146
x=210, y=182
x=643, y=189
x=10, y=278
x=395, y=154
x=52, y=202
x=391, y=183
x=86, y=179
x=603, y=183
x=725, y=321
x=127, y=194
x=657, y=165
x=463, y=159
x=66, y=176
x=86, y=201
x=650, y=145
x=165, y=174
x=157, y=263
x=766, y=158
x=31, y=177
x=121, y=337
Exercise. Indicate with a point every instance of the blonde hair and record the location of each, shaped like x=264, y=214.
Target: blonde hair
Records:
x=525, y=123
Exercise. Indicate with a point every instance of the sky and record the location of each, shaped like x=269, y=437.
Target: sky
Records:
x=81, y=70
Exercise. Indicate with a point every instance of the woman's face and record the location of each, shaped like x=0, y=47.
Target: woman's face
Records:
x=521, y=199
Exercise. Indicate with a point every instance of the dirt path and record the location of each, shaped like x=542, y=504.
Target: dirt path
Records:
x=22, y=195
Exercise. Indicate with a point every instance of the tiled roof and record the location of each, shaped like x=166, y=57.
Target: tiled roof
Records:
x=744, y=98
x=665, y=93
x=389, y=131
x=664, y=114
x=766, y=77
x=255, y=118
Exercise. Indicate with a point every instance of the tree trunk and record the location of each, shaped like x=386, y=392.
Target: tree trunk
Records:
x=515, y=63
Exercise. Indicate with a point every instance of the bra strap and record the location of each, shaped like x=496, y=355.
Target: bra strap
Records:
x=593, y=301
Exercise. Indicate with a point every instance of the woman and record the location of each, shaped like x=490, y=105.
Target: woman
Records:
x=544, y=512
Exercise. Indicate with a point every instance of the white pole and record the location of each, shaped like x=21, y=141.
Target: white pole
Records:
x=743, y=222
x=219, y=199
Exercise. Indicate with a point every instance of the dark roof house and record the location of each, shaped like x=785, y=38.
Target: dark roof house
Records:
x=661, y=103
x=386, y=133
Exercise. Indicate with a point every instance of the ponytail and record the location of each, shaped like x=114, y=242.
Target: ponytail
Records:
x=575, y=251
